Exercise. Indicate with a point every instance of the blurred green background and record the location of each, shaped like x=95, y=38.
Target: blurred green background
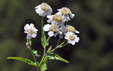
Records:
x=93, y=18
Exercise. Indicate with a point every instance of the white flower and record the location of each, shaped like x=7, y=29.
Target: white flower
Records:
x=70, y=28
x=71, y=38
x=46, y=27
x=52, y=29
x=51, y=33
x=43, y=9
x=55, y=19
x=66, y=13
x=30, y=30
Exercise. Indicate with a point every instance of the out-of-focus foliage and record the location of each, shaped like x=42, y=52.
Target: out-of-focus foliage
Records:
x=93, y=18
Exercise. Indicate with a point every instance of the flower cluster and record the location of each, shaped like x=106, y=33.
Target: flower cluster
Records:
x=56, y=24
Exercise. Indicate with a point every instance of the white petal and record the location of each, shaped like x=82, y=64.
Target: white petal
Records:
x=35, y=30
x=49, y=21
x=49, y=16
x=54, y=22
x=73, y=42
x=50, y=10
x=72, y=15
x=34, y=35
x=50, y=33
x=59, y=9
x=59, y=13
x=31, y=25
x=26, y=27
x=25, y=32
x=68, y=17
x=65, y=18
x=77, y=31
x=42, y=13
x=38, y=10
x=77, y=39
x=66, y=37
x=46, y=27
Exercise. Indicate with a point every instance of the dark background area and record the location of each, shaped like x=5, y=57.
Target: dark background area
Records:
x=93, y=18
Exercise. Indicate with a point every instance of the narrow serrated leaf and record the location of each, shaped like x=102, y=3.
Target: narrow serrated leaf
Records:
x=53, y=56
x=24, y=60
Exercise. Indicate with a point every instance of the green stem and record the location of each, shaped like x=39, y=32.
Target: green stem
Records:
x=42, y=58
x=42, y=24
x=58, y=42
x=32, y=55
x=58, y=46
x=44, y=54
x=48, y=39
x=65, y=44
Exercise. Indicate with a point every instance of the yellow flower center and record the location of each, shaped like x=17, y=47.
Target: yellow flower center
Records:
x=65, y=11
x=71, y=37
x=45, y=6
x=30, y=31
x=57, y=18
x=54, y=28
x=70, y=29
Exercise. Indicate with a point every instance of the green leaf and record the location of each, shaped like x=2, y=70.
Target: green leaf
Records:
x=53, y=56
x=24, y=60
x=43, y=67
x=43, y=39
x=35, y=53
x=49, y=49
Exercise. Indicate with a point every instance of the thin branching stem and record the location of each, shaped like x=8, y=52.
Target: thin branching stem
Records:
x=33, y=55
x=44, y=53
x=58, y=42
x=59, y=46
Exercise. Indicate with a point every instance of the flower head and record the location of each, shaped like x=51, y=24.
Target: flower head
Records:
x=71, y=38
x=70, y=28
x=43, y=9
x=53, y=29
x=30, y=30
x=66, y=13
x=55, y=19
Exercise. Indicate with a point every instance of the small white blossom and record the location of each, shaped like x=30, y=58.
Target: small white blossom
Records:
x=70, y=28
x=52, y=29
x=66, y=13
x=71, y=38
x=51, y=33
x=46, y=27
x=43, y=9
x=55, y=19
x=30, y=30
